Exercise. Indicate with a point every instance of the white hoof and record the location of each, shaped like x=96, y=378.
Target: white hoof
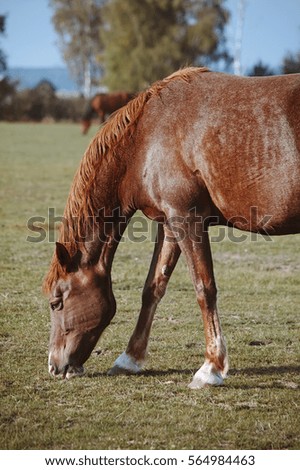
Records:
x=207, y=375
x=125, y=365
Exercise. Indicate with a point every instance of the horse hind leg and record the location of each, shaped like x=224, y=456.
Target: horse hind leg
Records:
x=214, y=370
x=101, y=115
x=196, y=248
x=216, y=365
x=165, y=257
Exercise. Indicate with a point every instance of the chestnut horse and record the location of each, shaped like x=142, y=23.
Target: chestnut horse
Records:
x=196, y=148
x=103, y=104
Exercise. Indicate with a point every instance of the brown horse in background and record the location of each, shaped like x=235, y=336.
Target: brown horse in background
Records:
x=195, y=149
x=103, y=105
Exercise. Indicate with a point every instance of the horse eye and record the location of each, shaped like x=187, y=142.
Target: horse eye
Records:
x=58, y=305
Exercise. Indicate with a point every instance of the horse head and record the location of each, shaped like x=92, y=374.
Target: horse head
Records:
x=82, y=305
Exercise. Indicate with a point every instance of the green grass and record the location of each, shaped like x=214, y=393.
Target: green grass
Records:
x=258, y=283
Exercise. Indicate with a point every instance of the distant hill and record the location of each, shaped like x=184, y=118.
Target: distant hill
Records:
x=30, y=77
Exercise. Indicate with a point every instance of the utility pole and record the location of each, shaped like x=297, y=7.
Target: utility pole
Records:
x=237, y=65
x=87, y=85
x=87, y=80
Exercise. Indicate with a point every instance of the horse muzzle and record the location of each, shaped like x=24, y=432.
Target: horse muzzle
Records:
x=66, y=371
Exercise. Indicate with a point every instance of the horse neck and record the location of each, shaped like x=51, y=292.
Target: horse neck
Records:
x=99, y=220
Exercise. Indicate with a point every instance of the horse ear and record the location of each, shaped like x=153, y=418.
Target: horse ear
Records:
x=63, y=255
x=68, y=263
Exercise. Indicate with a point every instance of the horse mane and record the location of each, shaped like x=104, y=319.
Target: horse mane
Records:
x=81, y=206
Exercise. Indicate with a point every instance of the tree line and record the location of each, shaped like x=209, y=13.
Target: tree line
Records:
x=126, y=45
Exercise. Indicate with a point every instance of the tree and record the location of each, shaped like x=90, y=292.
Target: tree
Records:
x=260, y=69
x=2, y=55
x=291, y=63
x=147, y=40
x=7, y=94
x=40, y=100
x=78, y=24
x=7, y=87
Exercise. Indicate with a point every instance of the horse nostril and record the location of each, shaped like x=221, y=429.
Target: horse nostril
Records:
x=53, y=370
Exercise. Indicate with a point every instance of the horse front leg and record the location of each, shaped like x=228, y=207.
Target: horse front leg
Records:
x=196, y=247
x=101, y=115
x=165, y=256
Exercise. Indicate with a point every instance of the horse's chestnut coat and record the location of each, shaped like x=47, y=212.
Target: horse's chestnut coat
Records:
x=195, y=149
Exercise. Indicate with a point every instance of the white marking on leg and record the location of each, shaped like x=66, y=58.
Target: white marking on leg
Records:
x=206, y=375
x=124, y=361
x=222, y=351
x=218, y=350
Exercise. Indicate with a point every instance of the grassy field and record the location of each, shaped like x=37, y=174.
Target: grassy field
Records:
x=259, y=294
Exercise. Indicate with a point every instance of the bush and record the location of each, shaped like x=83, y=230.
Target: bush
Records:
x=7, y=95
x=38, y=103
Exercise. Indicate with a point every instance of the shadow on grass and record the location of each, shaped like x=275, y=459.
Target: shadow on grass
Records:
x=267, y=370
x=146, y=373
x=276, y=377
x=249, y=373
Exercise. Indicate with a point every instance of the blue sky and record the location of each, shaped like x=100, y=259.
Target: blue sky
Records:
x=271, y=29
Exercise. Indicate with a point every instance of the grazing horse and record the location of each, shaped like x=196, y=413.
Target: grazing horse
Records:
x=103, y=104
x=195, y=149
